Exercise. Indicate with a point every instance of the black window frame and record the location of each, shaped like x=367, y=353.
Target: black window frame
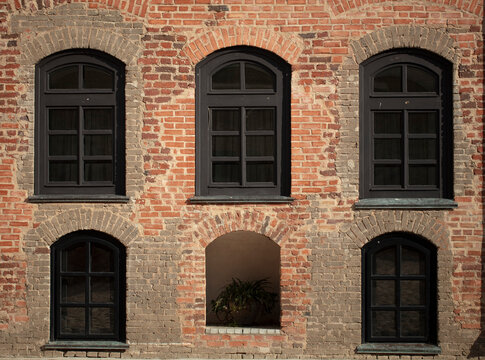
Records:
x=119, y=275
x=406, y=102
x=397, y=241
x=80, y=98
x=279, y=99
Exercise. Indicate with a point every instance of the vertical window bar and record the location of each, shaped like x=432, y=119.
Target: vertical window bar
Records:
x=88, y=289
x=243, y=145
x=405, y=143
x=80, y=155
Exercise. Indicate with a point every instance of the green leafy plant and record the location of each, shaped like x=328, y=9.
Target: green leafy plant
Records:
x=239, y=301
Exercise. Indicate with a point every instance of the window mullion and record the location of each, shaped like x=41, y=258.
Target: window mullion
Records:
x=243, y=146
x=88, y=290
x=81, y=146
x=405, y=142
x=398, y=290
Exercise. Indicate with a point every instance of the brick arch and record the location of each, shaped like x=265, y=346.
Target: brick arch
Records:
x=49, y=42
x=286, y=46
x=81, y=219
x=405, y=36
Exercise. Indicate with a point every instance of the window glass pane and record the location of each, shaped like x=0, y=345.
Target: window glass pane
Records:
x=420, y=149
x=260, y=172
x=102, y=258
x=64, y=78
x=63, y=119
x=102, y=289
x=227, y=78
x=74, y=258
x=226, y=172
x=260, y=145
x=421, y=80
x=98, y=144
x=97, y=78
x=72, y=289
x=413, y=323
x=260, y=119
x=98, y=171
x=413, y=292
x=226, y=120
x=63, y=171
x=383, y=292
x=422, y=175
x=387, y=174
x=72, y=320
x=387, y=123
x=387, y=149
x=226, y=146
x=63, y=145
x=389, y=80
x=258, y=77
x=412, y=262
x=423, y=122
x=102, y=321
x=383, y=323
x=98, y=119
x=384, y=262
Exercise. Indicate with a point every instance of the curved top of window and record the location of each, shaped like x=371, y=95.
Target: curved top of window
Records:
x=243, y=75
x=406, y=78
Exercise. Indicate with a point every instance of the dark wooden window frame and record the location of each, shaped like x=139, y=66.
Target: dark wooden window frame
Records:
x=207, y=98
x=397, y=241
x=119, y=276
x=80, y=98
x=406, y=102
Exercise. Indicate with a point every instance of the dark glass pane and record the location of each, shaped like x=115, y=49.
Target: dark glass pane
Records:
x=389, y=80
x=63, y=171
x=384, y=262
x=422, y=175
x=260, y=145
x=74, y=258
x=260, y=172
x=63, y=119
x=98, y=119
x=72, y=320
x=383, y=292
x=387, y=149
x=102, y=258
x=102, y=321
x=387, y=174
x=422, y=80
x=227, y=78
x=226, y=172
x=98, y=171
x=413, y=262
x=423, y=123
x=413, y=292
x=98, y=78
x=63, y=145
x=383, y=323
x=102, y=289
x=420, y=149
x=72, y=289
x=226, y=146
x=258, y=77
x=387, y=123
x=98, y=144
x=413, y=323
x=226, y=120
x=260, y=119
x=64, y=78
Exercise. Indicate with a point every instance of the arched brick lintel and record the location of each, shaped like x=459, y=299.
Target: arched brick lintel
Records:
x=405, y=36
x=81, y=219
x=36, y=48
x=286, y=46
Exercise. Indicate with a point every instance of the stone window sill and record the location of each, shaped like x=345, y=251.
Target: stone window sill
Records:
x=241, y=199
x=78, y=199
x=242, y=330
x=397, y=203
x=86, y=345
x=398, y=349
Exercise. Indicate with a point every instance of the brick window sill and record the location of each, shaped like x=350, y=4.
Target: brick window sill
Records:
x=86, y=345
x=402, y=203
x=78, y=199
x=220, y=199
x=242, y=330
x=398, y=349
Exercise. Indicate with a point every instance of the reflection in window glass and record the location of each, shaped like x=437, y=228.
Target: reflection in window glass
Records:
x=260, y=172
x=98, y=78
x=226, y=146
x=258, y=77
x=260, y=119
x=63, y=171
x=387, y=122
x=421, y=80
x=387, y=174
x=226, y=119
x=98, y=171
x=98, y=119
x=64, y=78
x=423, y=122
x=226, y=172
x=227, y=78
x=389, y=80
x=63, y=119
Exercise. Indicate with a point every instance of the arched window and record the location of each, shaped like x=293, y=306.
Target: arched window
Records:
x=243, y=98
x=406, y=126
x=399, y=292
x=80, y=124
x=88, y=288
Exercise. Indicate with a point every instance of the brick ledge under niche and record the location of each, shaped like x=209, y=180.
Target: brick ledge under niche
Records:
x=242, y=330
